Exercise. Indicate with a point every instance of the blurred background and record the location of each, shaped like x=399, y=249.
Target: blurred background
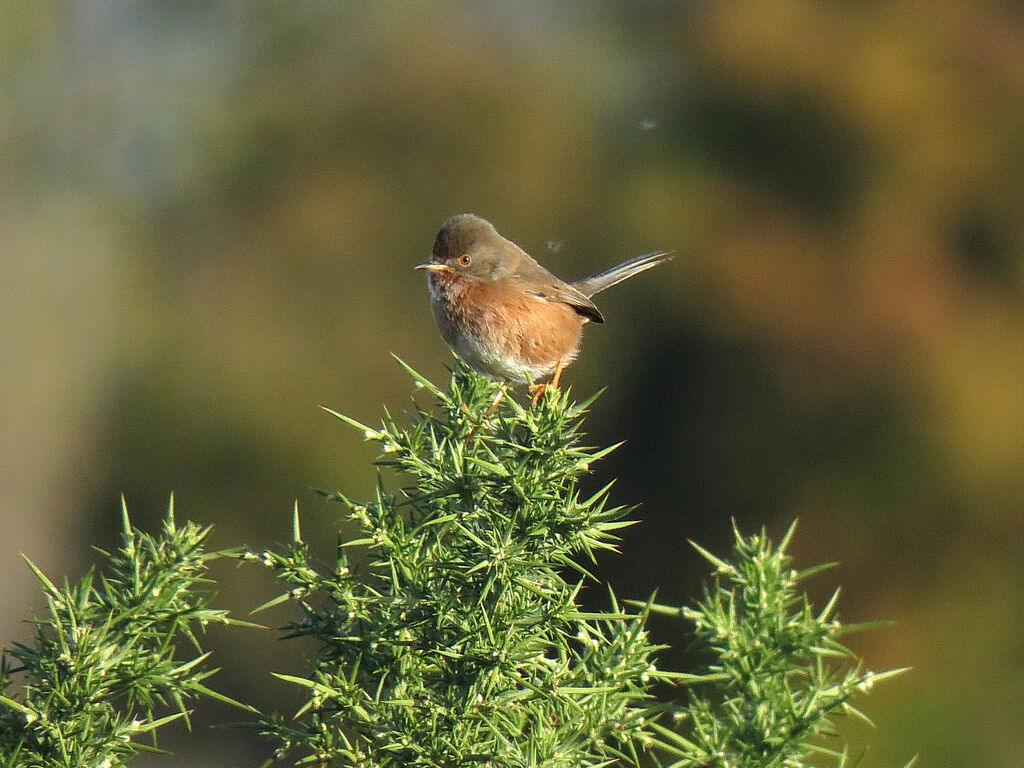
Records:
x=209, y=214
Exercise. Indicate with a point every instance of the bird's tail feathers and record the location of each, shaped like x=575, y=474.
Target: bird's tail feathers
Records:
x=602, y=280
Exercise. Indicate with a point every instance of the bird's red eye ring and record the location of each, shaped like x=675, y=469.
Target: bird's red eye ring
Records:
x=465, y=260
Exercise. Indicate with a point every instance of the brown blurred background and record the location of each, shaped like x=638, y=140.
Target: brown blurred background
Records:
x=209, y=212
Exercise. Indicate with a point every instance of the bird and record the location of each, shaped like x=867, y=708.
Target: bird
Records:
x=504, y=314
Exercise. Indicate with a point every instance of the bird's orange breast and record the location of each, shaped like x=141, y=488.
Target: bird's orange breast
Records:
x=539, y=331
x=513, y=329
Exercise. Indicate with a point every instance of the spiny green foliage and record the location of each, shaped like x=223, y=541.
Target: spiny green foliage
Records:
x=778, y=674
x=464, y=644
x=103, y=660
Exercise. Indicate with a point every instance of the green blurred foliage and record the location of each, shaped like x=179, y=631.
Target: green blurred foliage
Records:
x=211, y=210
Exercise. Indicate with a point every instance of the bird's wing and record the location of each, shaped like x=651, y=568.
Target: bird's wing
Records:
x=540, y=283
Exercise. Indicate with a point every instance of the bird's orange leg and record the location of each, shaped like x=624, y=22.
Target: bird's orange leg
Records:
x=540, y=389
x=558, y=374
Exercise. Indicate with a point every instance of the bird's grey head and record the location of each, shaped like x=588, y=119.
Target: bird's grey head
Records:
x=470, y=245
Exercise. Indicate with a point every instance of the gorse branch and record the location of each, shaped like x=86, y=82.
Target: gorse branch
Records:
x=778, y=674
x=104, y=658
x=464, y=642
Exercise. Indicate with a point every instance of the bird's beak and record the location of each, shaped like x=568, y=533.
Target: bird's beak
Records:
x=431, y=266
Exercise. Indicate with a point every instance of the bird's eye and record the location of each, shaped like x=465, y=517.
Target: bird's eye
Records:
x=465, y=260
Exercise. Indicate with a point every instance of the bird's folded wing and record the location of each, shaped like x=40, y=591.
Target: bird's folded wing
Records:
x=566, y=294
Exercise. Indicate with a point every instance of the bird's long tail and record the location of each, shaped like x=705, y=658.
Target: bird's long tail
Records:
x=597, y=283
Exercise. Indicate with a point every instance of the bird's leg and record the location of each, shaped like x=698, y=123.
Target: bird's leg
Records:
x=558, y=374
x=540, y=389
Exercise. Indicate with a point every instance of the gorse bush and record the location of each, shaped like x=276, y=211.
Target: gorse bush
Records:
x=776, y=679
x=463, y=642
x=104, y=665
x=460, y=641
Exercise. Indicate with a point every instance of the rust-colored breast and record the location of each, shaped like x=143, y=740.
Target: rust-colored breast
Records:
x=502, y=330
x=538, y=331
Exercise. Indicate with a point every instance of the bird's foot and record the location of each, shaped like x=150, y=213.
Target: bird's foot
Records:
x=538, y=392
x=539, y=389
